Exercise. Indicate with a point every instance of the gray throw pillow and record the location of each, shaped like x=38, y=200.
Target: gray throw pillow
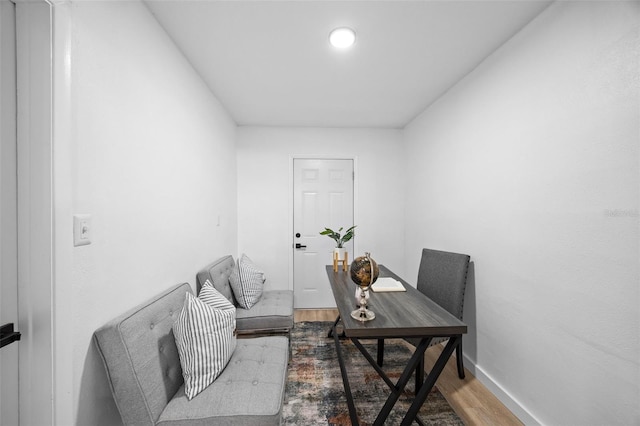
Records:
x=247, y=282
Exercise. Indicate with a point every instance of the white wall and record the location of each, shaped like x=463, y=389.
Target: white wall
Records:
x=265, y=193
x=151, y=156
x=530, y=165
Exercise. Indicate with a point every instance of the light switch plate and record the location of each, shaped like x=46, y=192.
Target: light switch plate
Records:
x=81, y=229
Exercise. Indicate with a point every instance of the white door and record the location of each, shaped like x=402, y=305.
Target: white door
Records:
x=8, y=222
x=323, y=198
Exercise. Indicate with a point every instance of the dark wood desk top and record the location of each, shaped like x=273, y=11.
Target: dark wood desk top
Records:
x=398, y=314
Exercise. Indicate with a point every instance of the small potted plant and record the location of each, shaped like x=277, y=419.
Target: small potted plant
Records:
x=339, y=238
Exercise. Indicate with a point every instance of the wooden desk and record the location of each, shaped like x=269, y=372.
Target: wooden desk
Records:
x=398, y=315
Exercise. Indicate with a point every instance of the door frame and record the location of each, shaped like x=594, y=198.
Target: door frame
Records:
x=45, y=256
x=354, y=158
x=62, y=187
x=9, y=355
x=35, y=216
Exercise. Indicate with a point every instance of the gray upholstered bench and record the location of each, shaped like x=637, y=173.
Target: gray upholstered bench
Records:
x=143, y=367
x=273, y=314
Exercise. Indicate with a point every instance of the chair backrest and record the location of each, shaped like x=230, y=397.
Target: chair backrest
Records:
x=141, y=358
x=218, y=272
x=442, y=277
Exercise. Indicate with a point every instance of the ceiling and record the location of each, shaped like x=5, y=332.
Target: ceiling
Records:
x=270, y=63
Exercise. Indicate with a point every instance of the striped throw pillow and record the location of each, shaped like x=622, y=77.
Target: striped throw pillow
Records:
x=247, y=282
x=212, y=297
x=205, y=339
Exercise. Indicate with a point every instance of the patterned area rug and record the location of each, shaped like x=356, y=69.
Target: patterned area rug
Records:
x=315, y=393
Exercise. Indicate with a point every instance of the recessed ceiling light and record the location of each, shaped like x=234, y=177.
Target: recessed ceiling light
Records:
x=342, y=37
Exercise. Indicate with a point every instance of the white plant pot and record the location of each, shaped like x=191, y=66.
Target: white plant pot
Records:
x=340, y=252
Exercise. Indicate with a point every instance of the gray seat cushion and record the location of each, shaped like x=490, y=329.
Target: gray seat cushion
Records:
x=249, y=391
x=272, y=314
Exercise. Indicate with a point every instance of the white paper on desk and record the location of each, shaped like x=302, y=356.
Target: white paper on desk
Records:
x=383, y=284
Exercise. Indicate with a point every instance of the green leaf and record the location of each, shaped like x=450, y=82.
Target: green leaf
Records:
x=339, y=239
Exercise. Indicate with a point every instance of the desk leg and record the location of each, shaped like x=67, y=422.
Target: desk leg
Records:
x=345, y=379
x=419, y=375
x=335, y=324
x=421, y=396
x=402, y=382
x=459, y=360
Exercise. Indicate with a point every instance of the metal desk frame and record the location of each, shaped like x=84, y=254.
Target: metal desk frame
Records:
x=398, y=315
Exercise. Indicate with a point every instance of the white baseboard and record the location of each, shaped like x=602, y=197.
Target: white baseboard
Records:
x=511, y=403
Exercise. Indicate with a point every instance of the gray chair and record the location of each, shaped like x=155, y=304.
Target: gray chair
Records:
x=442, y=277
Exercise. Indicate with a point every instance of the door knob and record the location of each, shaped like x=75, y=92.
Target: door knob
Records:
x=300, y=246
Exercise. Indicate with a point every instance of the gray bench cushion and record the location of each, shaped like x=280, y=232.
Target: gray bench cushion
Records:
x=250, y=391
x=273, y=313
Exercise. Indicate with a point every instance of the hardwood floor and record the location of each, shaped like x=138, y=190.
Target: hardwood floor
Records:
x=471, y=400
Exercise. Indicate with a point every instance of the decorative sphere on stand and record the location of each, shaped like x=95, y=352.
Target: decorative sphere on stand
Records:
x=364, y=272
